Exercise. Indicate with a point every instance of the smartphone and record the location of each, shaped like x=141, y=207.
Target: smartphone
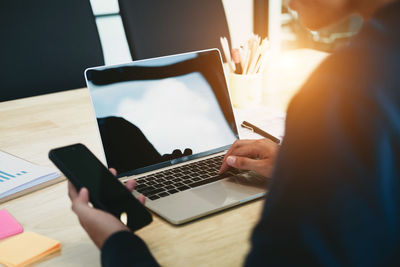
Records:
x=83, y=169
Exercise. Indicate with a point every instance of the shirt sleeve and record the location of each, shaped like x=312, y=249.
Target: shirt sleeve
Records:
x=126, y=249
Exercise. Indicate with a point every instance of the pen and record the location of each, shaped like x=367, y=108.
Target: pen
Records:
x=255, y=129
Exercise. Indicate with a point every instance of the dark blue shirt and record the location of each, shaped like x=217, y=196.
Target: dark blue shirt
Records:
x=335, y=193
x=335, y=197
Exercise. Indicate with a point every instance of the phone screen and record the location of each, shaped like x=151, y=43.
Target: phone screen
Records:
x=83, y=169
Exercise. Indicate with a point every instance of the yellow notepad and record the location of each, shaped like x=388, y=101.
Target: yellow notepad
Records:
x=26, y=248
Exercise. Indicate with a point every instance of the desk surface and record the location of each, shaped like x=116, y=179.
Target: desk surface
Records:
x=30, y=127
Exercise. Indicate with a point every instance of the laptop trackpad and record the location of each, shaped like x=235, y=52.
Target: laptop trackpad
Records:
x=224, y=192
x=203, y=200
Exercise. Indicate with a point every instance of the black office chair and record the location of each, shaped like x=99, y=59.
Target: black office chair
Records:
x=45, y=46
x=163, y=27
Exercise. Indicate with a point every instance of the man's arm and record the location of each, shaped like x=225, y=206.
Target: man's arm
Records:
x=126, y=249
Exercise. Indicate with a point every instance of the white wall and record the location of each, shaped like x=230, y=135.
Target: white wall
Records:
x=115, y=48
x=104, y=6
x=113, y=40
x=239, y=14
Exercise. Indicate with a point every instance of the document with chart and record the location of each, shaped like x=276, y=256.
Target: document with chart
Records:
x=18, y=175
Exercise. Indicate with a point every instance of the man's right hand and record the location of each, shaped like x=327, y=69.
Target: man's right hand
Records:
x=254, y=155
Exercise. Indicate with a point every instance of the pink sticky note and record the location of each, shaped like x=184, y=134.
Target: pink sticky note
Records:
x=8, y=225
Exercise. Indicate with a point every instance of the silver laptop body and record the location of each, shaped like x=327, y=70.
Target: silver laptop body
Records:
x=167, y=122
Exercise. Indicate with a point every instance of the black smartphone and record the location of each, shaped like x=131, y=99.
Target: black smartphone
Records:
x=83, y=169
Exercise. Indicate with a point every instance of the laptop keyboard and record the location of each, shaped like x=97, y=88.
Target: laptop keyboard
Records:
x=181, y=178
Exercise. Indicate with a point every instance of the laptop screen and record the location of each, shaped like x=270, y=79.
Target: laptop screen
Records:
x=158, y=112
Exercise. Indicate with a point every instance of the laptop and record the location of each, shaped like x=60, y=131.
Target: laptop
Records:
x=167, y=122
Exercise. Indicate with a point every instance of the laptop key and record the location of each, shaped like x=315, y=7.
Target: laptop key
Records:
x=209, y=180
x=183, y=177
x=188, y=181
x=178, y=175
x=146, y=189
x=139, y=187
x=153, y=197
x=153, y=192
x=163, y=194
x=172, y=191
x=183, y=188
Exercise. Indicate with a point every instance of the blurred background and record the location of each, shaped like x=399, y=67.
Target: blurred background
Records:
x=115, y=47
x=244, y=17
x=51, y=43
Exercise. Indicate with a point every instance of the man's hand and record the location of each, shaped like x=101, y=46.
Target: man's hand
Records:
x=98, y=224
x=254, y=155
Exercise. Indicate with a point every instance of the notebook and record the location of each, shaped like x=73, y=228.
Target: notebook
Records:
x=18, y=176
x=167, y=122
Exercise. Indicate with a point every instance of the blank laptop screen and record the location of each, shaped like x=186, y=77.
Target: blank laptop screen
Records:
x=158, y=112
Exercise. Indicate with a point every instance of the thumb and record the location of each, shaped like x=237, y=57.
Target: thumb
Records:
x=81, y=201
x=83, y=196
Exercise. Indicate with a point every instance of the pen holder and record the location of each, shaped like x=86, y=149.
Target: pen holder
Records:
x=245, y=89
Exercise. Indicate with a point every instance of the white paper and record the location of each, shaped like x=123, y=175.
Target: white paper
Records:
x=267, y=119
x=17, y=174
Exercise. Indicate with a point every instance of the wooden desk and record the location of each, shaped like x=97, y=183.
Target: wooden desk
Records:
x=30, y=127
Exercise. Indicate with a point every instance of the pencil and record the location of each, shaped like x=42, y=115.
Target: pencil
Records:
x=227, y=52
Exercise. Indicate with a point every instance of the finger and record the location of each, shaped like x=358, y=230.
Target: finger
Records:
x=240, y=148
x=72, y=193
x=81, y=202
x=224, y=166
x=260, y=148
x=236, y=145
x=130, y=184
x=113, y=171
x=261, y=167
x=142, y=199
x=243, y=151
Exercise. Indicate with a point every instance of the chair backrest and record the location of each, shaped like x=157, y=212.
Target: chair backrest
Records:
x=45, y=46
x=163, y=27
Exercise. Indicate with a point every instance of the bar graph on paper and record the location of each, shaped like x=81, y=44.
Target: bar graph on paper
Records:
x=4, y=176
x=16, y=173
